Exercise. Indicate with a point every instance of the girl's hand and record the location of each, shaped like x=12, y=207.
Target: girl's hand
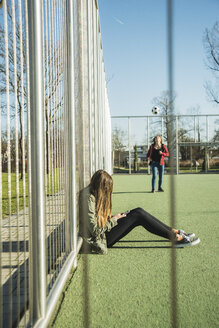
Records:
x=119, y=216
x=160, y=152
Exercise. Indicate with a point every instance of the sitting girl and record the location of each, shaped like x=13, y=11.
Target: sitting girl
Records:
x=101, y=230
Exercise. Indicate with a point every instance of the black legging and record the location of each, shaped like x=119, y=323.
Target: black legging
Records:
x=135, y=218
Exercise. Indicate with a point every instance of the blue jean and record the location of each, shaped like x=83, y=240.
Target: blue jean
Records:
x=156, y=166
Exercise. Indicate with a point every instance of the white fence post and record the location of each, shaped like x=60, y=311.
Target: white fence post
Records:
x=37, y=239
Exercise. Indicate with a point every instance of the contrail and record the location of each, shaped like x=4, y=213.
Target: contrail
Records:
x=118, y=20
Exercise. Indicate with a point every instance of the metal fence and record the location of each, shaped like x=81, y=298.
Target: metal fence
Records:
x=55, y=132
x=195, y=142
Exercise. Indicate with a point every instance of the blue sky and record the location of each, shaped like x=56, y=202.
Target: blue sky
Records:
x=134, y=36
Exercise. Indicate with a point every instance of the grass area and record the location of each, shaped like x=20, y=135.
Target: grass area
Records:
x=130, y=287
x=55, y=183
x=13, y=194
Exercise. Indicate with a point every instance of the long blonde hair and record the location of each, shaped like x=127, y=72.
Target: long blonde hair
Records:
x=161, y=139
x=101, y=186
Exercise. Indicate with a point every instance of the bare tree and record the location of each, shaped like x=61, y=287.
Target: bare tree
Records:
x=211, y=46
x=164, y=103
x=4, y=149
x=54, y=75
x=117, y=139
x=118, y=142
x=20, y=84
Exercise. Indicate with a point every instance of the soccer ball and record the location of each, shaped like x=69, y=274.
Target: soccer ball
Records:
x=155, y=110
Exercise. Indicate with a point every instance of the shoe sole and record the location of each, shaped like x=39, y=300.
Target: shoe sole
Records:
x=192, y=243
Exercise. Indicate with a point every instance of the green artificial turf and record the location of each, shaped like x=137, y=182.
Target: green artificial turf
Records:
x=130, y=287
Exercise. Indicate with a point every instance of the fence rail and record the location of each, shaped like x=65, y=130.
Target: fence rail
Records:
x=55, y=133
x=195, y=141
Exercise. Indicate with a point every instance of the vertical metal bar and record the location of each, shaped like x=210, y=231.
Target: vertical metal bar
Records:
x=206, y=160
x=92, y=85
x=51, y=250
x=103, y=106
x=52, y=136
x=82, y=9
x=49, y=128
x=103, y=116
x=23, y=151
x=38, y=248
x=62, y=42
x=94, y=81
x=71, y=122
x=65, y=140
x=63, y=52
x=207, y=129
x=1, y=289
x=177, y=147
x=8, y=155
x=89, y=85
x=16, y=153
x=207, y=148
x=58, y=112
x=59, y=219
x=148, y=136
x=28, y=132
x=195, y=128
x=45, y=61
x=46, y=130
x=129, y=145
x=113, y=159
x=100, y=103
x=174, y=305
x=46, y=118
x=96, y=93
x=56, y=81
x=191, y=159
x=59, y=32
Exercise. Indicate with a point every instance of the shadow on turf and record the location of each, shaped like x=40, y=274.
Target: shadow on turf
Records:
x=132, y=192
x=142, y=241
x=135, y=247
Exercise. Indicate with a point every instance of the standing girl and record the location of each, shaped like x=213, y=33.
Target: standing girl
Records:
x=156, y=154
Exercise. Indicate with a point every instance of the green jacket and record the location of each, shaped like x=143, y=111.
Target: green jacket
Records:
x=89, y=229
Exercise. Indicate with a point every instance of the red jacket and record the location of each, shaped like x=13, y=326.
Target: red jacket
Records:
x=165, y=153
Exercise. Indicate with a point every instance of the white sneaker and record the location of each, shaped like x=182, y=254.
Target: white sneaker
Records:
x=190, y=235
x=187, y=241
